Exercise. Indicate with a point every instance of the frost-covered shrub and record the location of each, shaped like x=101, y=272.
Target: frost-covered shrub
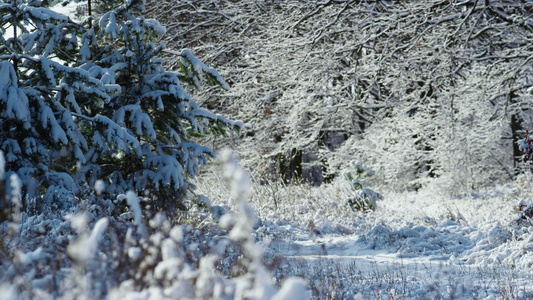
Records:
x=357, y=175
x=364, y=199
x=89, y=100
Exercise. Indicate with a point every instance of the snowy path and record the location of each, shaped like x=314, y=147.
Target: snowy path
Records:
x=424, y=245
x=374, y=272
x=408, y=254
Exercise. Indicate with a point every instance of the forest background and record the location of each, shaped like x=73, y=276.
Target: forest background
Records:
x=419, y=91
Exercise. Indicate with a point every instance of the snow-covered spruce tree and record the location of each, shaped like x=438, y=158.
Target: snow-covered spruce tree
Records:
x=39, y=88
x=142, y=138
x=74, y=110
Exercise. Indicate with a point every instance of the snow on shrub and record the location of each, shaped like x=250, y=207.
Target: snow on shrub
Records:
x=364, y=199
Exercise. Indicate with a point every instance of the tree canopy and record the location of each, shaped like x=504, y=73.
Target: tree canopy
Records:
x=414, y=89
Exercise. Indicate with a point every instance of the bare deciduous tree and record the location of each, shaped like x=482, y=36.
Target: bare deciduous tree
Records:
x=418, y=89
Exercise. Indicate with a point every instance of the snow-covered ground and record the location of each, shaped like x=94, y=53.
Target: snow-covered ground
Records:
x=415, y=245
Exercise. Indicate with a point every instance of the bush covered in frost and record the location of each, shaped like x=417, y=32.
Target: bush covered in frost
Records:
x=364, y=199
x=88, y=100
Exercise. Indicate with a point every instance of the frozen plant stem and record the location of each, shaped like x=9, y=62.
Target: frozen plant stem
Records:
x=257, y=284
x=16, y=202
x=241, y=232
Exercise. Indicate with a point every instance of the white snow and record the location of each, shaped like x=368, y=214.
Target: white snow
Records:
x=200, y=68
x=293, y=289
x=99, y=187
x=112, y=27
x=133, y=203
x=87, y=244
x=2, y=165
